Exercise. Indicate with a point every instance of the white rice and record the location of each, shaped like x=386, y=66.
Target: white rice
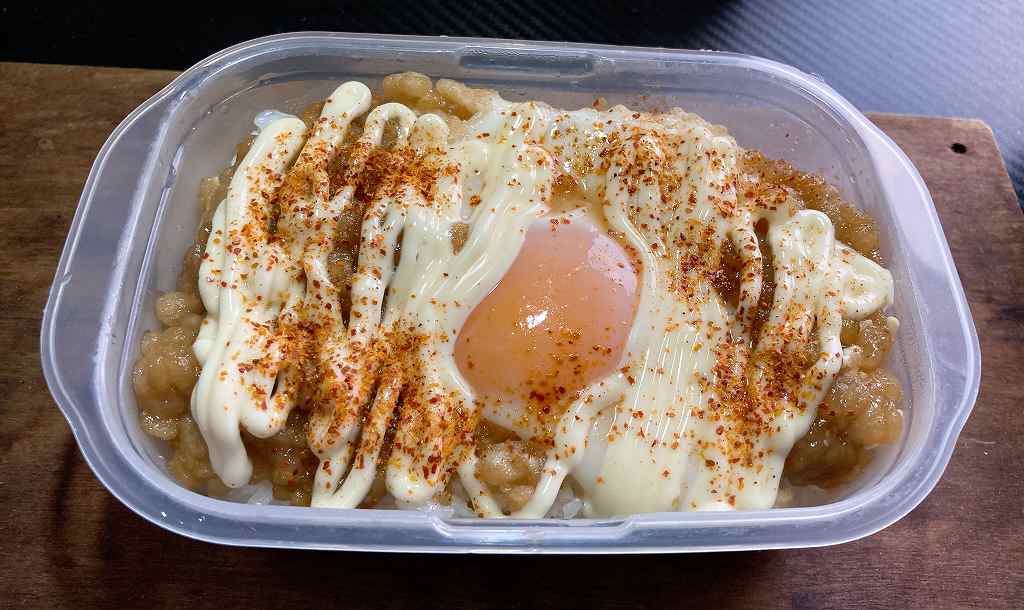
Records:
x=261, y=493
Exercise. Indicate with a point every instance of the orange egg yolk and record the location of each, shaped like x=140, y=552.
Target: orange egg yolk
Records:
x=556, y=322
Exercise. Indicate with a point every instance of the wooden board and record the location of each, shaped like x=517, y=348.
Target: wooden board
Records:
x=65, y=541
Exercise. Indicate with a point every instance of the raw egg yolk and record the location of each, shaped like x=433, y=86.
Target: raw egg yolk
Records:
x=556, y=322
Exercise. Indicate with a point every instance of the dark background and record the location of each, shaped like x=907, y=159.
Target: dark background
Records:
x=945, y=58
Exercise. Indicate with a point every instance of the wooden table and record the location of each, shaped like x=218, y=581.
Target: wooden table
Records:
x=65, y=541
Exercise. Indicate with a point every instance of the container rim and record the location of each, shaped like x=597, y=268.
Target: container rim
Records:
x=89, y=435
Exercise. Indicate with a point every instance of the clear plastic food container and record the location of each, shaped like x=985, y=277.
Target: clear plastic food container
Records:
x=138, y=214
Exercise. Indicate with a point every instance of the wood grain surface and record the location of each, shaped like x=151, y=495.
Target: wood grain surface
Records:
x=65, y=541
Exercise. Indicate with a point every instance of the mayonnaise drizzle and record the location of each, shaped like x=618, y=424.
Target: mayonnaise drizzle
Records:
x=643, y=439
x=241, y=297
x=646, y=438
x=432, y=290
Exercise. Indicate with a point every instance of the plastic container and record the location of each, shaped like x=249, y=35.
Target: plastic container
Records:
x=138, y=213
